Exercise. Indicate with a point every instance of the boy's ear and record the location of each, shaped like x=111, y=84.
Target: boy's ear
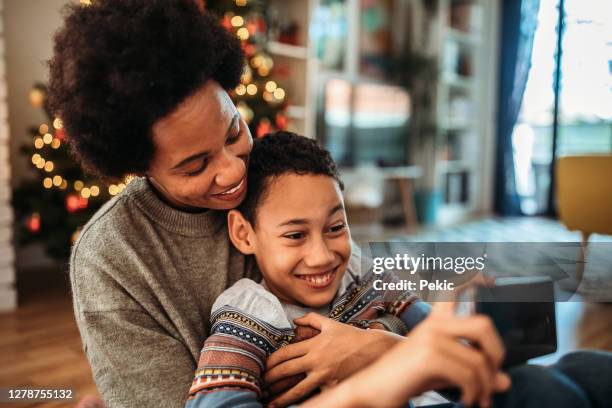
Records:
x=240, y=232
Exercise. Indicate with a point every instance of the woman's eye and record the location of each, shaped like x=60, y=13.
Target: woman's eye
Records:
x=295, y=235
x=233, y=139
x=199, y=170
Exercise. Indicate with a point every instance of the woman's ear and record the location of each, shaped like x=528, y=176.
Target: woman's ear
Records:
x=241, y=232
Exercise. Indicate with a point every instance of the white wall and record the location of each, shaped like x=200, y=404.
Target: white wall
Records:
x=8, y=295
x=29, y=27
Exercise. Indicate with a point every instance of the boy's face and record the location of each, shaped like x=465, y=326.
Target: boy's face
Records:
x=301, y=239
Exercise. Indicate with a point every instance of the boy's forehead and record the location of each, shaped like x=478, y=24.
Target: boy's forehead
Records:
x=297, y=195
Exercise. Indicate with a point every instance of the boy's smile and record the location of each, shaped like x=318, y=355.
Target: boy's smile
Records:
x=301, y=239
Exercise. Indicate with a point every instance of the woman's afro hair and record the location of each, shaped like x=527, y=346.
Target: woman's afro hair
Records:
x=120, y=65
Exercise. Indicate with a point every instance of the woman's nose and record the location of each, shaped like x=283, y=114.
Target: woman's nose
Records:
x=232, y=170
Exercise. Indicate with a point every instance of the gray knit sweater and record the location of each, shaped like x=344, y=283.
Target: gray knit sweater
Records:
x=144, y=277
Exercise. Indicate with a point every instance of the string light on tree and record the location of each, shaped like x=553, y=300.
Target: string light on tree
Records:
x=246, y=20
x=54, y=195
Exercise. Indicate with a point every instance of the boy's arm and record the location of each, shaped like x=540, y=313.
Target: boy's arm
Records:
x=365, y=306
x=232, y=361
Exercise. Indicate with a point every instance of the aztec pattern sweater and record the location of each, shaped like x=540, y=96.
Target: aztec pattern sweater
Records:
x=248, y=323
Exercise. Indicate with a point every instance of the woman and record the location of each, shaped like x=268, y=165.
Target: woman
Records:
x=141, y=88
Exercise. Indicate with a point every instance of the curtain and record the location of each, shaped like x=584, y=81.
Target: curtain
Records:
x=519, y=23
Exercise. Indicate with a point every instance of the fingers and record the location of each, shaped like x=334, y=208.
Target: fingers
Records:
x=286, y=369
x=298, y=392
x=288, y=352
x=457, y=374
x=311, y=319
x=478, y=330
x=479, y=368
x=443, y=309
x=502, y=382
x=284, y=384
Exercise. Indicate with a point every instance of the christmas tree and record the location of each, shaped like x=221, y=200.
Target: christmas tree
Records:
x=259, y=99
x=52, y=207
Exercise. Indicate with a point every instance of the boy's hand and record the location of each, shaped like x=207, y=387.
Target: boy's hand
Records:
x=327, y=358
x=434, y=355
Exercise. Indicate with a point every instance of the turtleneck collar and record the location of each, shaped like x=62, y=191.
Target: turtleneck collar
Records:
x=200, y=224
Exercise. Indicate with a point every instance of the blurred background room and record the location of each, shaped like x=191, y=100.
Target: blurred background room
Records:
x=451, y=120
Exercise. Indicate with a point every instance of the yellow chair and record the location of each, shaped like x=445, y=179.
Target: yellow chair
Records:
x=584, y=196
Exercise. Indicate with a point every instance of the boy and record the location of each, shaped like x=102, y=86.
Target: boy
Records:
x=293, y=221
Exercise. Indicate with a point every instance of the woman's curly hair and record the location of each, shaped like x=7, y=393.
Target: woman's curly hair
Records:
x=120, y=65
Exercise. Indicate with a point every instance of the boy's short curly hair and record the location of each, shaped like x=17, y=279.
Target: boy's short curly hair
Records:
x=120, y=65
x=282, y=153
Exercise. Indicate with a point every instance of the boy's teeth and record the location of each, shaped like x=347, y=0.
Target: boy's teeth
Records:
x=318, y=279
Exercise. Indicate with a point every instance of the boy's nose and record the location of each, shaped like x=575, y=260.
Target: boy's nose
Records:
x=319, y=255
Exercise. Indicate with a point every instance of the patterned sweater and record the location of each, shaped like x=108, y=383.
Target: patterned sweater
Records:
x=248, y=323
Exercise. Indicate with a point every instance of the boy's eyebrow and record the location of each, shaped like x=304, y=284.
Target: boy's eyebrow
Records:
x=303, y=221
x=202, y=155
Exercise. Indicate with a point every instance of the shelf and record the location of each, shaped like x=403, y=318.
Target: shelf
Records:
x=457, y=81
x=287, y=50
x=455, y=124
x=462, y=37
x=454, y=166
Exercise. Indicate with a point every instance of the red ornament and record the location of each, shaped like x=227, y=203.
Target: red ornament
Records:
x=75, y=202
x=281, y=121
x=249, y=49
x=33, y=223
x=60, y=134
x=252, y=27
x=263, y=127
x=261, y=25
x=226, y=22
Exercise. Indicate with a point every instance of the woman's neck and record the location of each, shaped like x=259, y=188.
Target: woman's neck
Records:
x=168, y=201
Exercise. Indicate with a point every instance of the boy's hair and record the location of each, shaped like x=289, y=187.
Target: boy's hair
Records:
x=120, y=65
x=282, y=153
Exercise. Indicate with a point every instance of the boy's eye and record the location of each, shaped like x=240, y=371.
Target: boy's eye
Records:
x=337, y=227
x=295, y=235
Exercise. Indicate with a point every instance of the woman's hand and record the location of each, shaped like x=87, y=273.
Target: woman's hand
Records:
x=441, y=352
x=335, y=353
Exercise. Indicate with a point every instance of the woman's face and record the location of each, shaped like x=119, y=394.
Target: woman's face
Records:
x=201, y=152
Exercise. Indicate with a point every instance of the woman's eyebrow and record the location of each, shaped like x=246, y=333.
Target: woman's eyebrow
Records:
x=202, y=155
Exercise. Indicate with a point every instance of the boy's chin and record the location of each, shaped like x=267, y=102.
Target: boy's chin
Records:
x=317, y=301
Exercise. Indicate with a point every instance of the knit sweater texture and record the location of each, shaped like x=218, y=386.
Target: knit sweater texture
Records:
x=144, y=277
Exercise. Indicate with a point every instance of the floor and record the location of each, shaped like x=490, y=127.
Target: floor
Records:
x=40, y=344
